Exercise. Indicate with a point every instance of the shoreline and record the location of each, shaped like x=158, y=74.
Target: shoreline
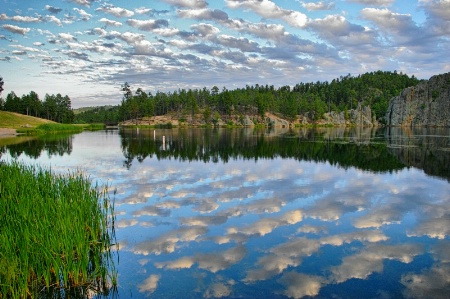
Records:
x=6, y=132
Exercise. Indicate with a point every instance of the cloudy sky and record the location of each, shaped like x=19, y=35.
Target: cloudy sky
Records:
x=87, y=48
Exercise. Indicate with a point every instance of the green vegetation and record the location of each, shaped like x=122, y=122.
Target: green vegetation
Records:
x=309, y=99
x=55, y=235
x=95, y=126
x=108, y=115
x=214, y=145
x=54, y=107
x=15, y=120
x=52, y=129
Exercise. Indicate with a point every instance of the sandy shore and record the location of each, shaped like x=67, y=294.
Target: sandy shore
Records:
x=5, y=132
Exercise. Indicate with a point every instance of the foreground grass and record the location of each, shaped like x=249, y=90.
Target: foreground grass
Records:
x=55, y=234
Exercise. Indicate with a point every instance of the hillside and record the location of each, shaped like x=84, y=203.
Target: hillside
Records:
x=13, y=120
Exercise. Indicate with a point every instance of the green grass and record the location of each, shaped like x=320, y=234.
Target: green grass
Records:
x=52, y=128
x=95, y=126
x=16, y=120
x=55, y=234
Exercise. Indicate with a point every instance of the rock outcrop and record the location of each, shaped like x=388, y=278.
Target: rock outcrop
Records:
x=426, y=104
x=360, y=117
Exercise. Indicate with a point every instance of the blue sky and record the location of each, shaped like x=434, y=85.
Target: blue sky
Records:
x=87, y=49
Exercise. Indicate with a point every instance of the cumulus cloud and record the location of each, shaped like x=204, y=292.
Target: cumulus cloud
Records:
x=16, y=29
x=270, y=10
x=54, y=19
x=203, y=14
x=109, y=22
x=374, y=2
x=299, y=285
x=187, y=3
x=83, y=14
x=370, y=260
x=321, y=5
x=83, y=2
x=434, y=228
x=24, y=19
x=115, y=11
x=168, y=242
x=150, y=284
x=267, y=225
x=431, y=283
x=147, y=25
x=218, y=290
x=212, y=262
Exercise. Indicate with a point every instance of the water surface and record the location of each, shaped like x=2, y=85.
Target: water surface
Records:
x=270, y=213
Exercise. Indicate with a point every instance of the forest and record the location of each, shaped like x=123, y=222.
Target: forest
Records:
x=312, y=100
x=57, y=108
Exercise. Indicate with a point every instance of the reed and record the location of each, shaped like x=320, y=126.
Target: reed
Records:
x=95, y=126
x=56, y=234
x=51, y=128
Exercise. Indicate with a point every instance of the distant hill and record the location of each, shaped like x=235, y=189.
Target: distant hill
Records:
x=16, y=120
x=86, y=109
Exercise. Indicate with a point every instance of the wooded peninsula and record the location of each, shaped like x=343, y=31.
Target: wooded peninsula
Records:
x=304, y=101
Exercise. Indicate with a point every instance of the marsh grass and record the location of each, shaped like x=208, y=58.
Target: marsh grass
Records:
x=56, y=234
x=95, y=127
x=52, y=129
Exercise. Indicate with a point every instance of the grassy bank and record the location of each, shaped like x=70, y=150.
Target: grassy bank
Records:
x=52, y=129
x=55, y=233
x=17, y=121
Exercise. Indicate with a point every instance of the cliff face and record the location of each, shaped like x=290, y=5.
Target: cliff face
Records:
x=426, y=104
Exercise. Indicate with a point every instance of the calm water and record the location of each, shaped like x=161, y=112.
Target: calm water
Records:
x=270, y=214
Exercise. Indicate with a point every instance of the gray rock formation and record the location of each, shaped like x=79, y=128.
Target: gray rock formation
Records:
x=273, y=121
x=426, y=104
x=361, y=117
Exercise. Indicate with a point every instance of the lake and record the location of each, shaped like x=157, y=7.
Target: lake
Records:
x=269, y=213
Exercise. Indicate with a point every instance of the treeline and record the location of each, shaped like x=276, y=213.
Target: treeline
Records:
x=57, y=108
x=308, y=99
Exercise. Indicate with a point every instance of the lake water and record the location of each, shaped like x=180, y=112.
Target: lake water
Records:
x=243, y=213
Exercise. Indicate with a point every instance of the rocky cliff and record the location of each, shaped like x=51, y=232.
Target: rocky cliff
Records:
x=426, y=104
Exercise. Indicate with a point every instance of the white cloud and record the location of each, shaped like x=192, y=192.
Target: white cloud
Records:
x=109, y=22
x=299, y=285
x=374, y=2
x=431, y=283
x=66, y=36
x=147, y=25
x=269, y=9
x=203, y=14
x=54, y=20
x=24, y=19
x=187, y=3
x=82, y=2
x=150, y=284
x=321, y=5
x=370, y=260
x=84, y=15
x=16, y=29
x=115, y=11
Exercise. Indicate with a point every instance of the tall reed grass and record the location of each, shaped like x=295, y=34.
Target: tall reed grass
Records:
x=56, y=233
x=51, y=128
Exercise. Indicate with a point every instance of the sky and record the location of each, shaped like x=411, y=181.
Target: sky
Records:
x=87, y=49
